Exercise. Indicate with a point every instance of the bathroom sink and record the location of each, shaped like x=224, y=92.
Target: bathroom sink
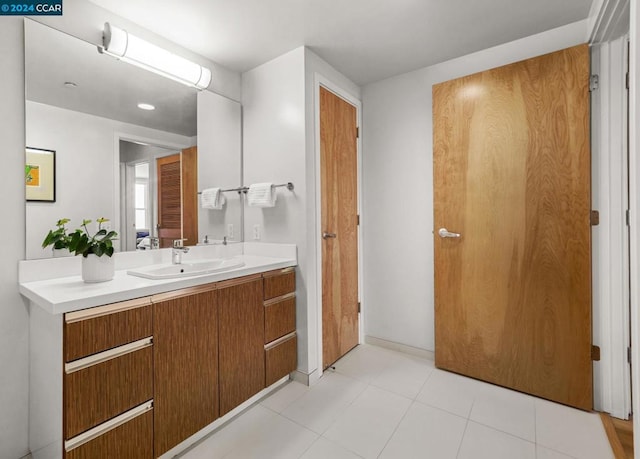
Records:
x=194, y=268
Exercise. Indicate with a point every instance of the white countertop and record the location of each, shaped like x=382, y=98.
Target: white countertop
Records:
x=70, y=293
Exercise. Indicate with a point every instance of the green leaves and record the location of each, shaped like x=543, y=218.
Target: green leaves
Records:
x=80, y=241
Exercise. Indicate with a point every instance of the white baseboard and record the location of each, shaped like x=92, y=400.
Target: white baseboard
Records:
x=308, y=379
x=425, y=354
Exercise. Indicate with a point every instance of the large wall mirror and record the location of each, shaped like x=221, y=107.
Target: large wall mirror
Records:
x=116, y=160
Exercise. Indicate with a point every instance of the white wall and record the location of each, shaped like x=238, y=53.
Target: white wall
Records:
x=86, y=148
x=273, y=103
x=14, y=357
x=398, y=195
x=220, y=163
x=279, y=117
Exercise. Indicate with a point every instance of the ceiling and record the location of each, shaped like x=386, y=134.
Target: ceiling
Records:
x=366, y=40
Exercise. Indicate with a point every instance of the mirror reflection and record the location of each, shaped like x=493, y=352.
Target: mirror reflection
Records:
x=118, y=158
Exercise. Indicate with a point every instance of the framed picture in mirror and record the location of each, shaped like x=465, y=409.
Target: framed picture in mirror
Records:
x=40, y=175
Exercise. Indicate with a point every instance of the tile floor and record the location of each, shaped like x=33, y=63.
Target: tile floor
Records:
x=385, y=404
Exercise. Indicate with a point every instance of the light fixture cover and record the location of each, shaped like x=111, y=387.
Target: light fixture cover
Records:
x=121, y=44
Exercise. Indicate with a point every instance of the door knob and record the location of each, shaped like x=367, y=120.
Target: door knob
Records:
x=326, y=235
x=442, y=232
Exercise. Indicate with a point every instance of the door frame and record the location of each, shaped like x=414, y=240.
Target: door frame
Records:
x=320, y=80
x=610, y=239
x=127, y=137
x=634, y=207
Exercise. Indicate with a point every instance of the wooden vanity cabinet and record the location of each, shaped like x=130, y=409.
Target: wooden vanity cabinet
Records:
x=105, y=377
x=280, y=344
x=185, y=329
x=241, y=340
x=142, y=376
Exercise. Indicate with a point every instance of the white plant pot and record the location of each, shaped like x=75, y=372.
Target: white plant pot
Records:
x=97, y=269
x=60, y=253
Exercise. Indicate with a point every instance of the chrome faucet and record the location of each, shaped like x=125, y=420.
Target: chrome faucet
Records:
x=154, y=243
x=177, y=250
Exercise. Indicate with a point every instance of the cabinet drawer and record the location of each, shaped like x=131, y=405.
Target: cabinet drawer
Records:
x=130, y=439
x=279, y=317
x=95, y=330
x=278, y=283
x=101, y=391
x=281, y=358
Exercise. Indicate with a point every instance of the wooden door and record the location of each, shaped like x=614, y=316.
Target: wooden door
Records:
x=169, y=199
x=242, y=360
x=178, y=197
x=185, y=356
x=339, y=188
x=512, y=176
x=189, y=173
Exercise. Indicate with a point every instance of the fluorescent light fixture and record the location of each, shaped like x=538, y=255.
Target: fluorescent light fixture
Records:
x=129, y=48
x=144, y=106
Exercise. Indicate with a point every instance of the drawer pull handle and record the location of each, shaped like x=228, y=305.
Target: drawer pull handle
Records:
x=105, y=427
x=281, y=340
x=279, y=299
x=100, y=357
x=93, y=313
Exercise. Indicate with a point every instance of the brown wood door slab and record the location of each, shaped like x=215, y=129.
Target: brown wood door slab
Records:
x=169, y=199
x=190, y=195
x=512, y=176
x=339, y=223
x=185, y=360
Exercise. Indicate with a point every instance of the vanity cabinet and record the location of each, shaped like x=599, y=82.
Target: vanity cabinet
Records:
x=185, y=330
x=139, y=377
x=242, y=365
x=108, y=381
x=280, y=343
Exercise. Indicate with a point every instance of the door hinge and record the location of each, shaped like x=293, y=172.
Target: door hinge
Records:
x=357, y=132
x=629, y=355
x=595, y=353
x=359, y=306
x=594, y=83
x=626, y=80
x=595, y=218
x=358, y=220
x=627, y=217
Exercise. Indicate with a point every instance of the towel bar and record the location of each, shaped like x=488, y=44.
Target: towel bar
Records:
x=244, y=189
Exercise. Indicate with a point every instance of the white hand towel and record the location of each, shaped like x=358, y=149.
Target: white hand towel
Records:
x=212, y=198
x=262, y=195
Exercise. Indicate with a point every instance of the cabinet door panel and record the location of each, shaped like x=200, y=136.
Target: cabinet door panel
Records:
x=280, y=282
x=106, y=331
x=132, y=440
x=100, y=392
x=241, y=314
x=281, y=360
x=279, y=318
x=185, y=368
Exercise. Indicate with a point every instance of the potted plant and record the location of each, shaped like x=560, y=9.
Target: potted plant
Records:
x=58, y=239
x=96, y=249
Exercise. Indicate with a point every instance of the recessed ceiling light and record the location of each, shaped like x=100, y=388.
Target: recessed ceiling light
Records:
x=70, y=84
x=146, y=106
